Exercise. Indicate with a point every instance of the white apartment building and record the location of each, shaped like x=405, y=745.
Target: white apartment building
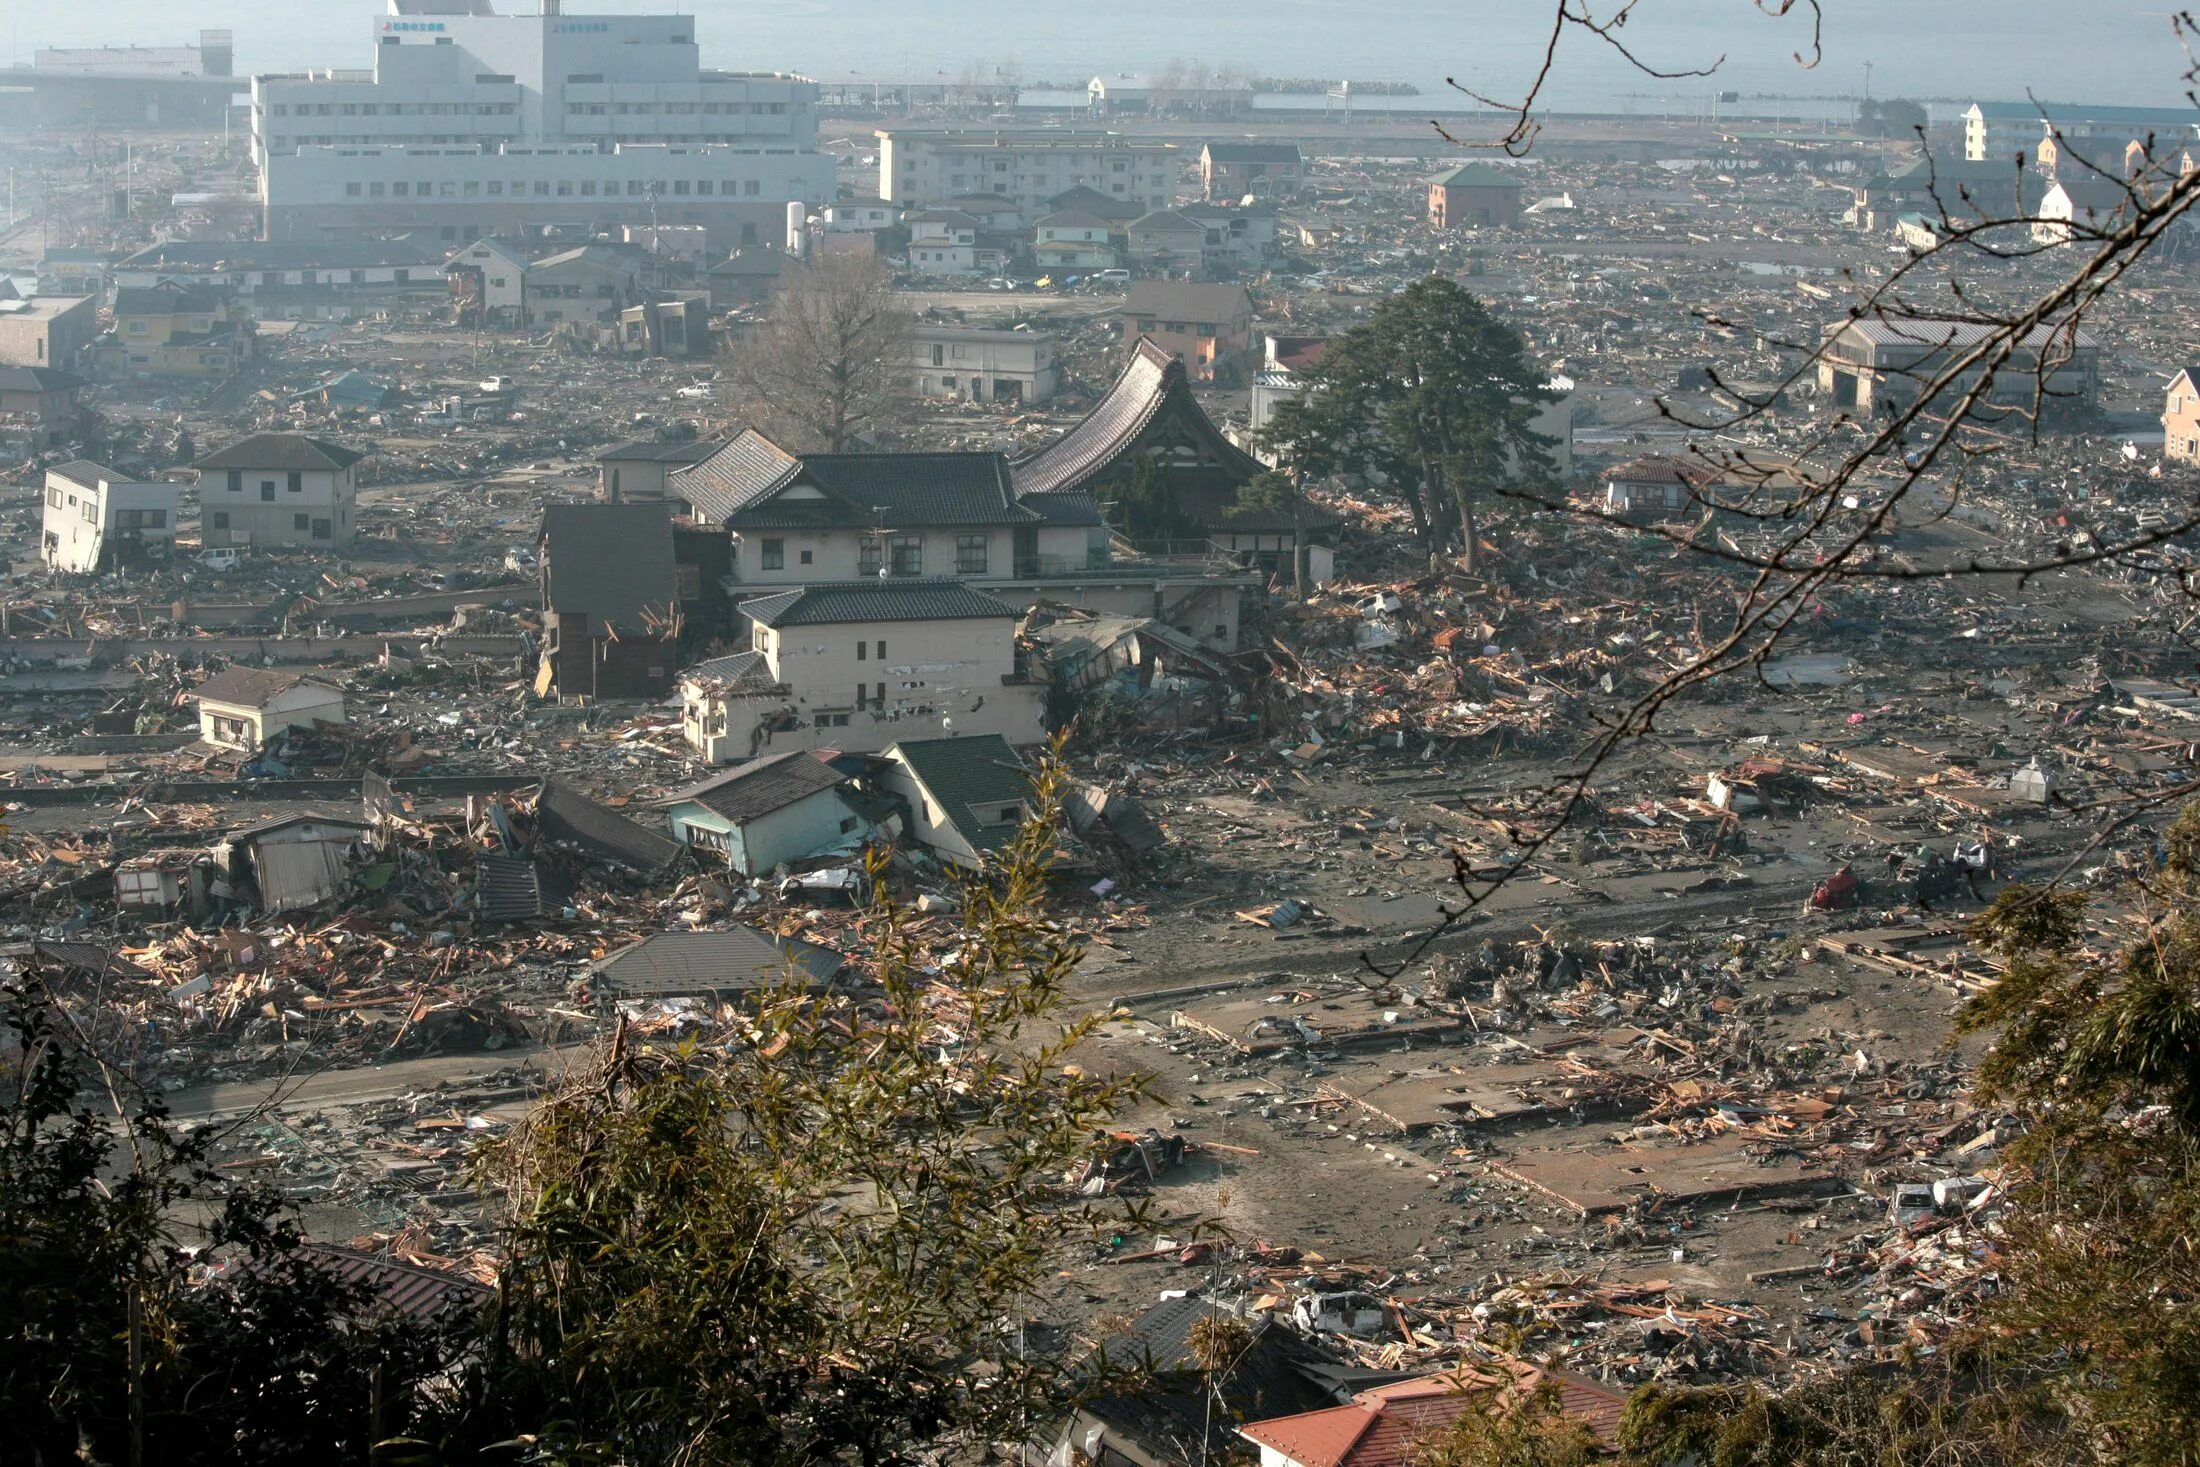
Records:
x=984, y=365
x=480, y=124
x=918, y=166
x=96, y=520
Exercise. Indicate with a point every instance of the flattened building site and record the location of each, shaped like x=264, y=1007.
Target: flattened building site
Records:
x=1528, y=666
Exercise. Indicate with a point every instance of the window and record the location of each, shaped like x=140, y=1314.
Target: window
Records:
x=751, y=187
x=301, y=522
x=774, y=555
x=221, y=519
x=863, y=650
x=807, y=557
x=376, y=190
x=236, y=481
x=401, y=189
x=351, y=191
x=908, y=551
x=939, y=354
x=879, y=652
x=970, y=555
x=948, y=383
x=321, y=529
x=91, y=512
x=137, y=328
x=297, y=481
x=267, y=490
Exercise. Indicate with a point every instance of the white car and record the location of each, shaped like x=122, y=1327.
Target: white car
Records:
x=225, y=558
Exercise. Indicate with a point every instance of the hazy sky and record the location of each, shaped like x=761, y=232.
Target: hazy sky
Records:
x=2076, y=50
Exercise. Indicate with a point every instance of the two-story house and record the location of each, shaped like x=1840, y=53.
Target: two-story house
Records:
x=859, y=216
x=943, y=242
x=1209, y=326
x=857, y=665
x=803, y=519
x=489, y=276
x=96, y=520
x=983, y=364
x=1235, y=239
x=1073, y=239
x=169, y=330
x=279, y=490
x=2181, y=417
x=39, y=406
x=1229, y=172
x=1167, y=240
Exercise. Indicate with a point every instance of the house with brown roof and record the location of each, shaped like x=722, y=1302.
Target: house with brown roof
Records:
x=1655, y=485
x=1390, y=1425
x=1210, y=326
x=1167, y=240
x=244, y=707
x=1473, y=196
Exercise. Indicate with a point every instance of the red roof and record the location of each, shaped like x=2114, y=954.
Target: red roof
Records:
x=1383, y=1427
x=1297, y=353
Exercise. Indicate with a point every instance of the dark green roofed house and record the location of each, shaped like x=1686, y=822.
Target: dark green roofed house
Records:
x=967, y=796
x=1474, y=196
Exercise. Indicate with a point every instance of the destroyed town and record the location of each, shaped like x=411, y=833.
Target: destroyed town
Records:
x=725, y=738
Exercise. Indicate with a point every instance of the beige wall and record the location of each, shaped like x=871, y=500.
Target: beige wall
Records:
x=250, y=515
x=836, y=555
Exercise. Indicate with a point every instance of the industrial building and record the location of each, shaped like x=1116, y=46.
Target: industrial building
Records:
x=1031, y=169
x=475, y=124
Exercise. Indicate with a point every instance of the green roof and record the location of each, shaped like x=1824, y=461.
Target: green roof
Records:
x=975, y=780
x=1476, y=175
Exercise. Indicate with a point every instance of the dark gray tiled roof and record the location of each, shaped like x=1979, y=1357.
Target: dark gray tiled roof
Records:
x=513, y=888
x=1153, y=384
x=838, y=603
x=282, y=451
x=569, y=817
x=739, y=487
x=743, y=669
x=759, y=787
x=39, y=379
x=1188, y=300
x=609, y=561
x=737, y=960
x=164, y=299
x=84, y=472
x=973, y=780
x=1077, y=508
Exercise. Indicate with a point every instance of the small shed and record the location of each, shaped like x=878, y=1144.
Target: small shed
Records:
x=296, y=862
x=244, y=707
x=767, y=812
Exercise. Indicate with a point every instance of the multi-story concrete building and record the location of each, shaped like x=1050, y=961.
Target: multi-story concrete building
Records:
x=2000, y=131
x=279, y=489
x=47, y=330
x=96, y=520
x=919, y=166
x=982, y=364
x=475, y=124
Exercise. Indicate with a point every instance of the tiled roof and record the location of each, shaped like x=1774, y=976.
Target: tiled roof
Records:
x=1385, y=1426
x=759, y=787
x=512, y=888
x=1475, y=175
x=736, y=960
x=569, y=817
x=249, y=687
x=354, y=253
x=1185, y=300
x=972, y=780
x=1152, y=384
x=1927, y=332
x=83, y=472
x=39, y=379
x=739, y=487
x=282, y=451
x=741, y=669
x=1662, y=468
x=164, y=300
x=1071, y=219
x=839, y=603
x=416, y=1292
x=1169, y=221
x=1075, y=508
x=658, y=451
x=609, y=561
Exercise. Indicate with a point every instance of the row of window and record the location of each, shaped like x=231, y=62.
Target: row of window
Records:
x=678, y=109
x=394, y=109
x=297, y=483
x=319, y=529
x=563, y=188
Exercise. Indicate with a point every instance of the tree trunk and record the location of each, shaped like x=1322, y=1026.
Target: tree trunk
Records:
x=1465, y=496
x=1298, y=537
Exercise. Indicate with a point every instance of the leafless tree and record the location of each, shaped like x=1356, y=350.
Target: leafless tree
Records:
x=1985, y=375
x=824, y=368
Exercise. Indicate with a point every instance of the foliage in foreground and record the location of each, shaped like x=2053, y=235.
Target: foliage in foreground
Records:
x=812, y=1244
x=109, y=1350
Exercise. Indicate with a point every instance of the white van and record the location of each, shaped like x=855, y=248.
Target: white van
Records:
x=224, y=558
x=1113, y=278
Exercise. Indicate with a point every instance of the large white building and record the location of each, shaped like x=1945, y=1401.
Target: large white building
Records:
x=1031, y=169
x=476, y=124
